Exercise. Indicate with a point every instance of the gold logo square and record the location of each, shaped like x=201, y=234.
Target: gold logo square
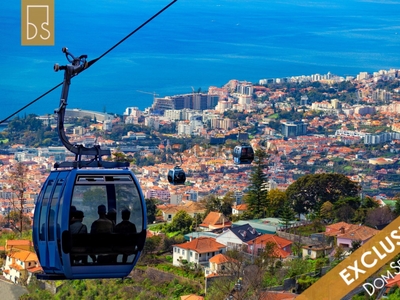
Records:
x=37, y=22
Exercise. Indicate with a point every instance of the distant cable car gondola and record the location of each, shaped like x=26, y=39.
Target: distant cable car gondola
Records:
x=90, y=216
x=243, y=154
x=176, y=176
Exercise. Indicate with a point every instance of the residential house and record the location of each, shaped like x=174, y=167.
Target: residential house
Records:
x=18, y=264
x=237, y=210
x=238, y=237
x=272, y=295
x=316, y=251
x=214, y=221
x=169, y=210
x=283, y=247
x=220, y=264
x=197, y=251
x=12, y=245
x=346, y=233
x=392, y=283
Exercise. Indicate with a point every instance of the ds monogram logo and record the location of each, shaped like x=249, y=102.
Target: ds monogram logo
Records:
x=37, y=23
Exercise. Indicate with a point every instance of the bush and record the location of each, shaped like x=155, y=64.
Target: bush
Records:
x=305, y=281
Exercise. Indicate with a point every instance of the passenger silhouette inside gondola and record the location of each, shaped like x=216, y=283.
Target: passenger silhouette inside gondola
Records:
x=102, y=226
x=77, y=227
x=126, y=228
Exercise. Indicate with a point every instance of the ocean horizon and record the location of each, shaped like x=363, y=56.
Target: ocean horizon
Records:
x=193, y=44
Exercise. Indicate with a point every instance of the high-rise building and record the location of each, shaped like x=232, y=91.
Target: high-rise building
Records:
x=293, y=129
x=197, y=101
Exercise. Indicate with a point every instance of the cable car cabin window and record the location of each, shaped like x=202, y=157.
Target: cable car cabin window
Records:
x=53, y=224
x=106, y=213
x=43, y=211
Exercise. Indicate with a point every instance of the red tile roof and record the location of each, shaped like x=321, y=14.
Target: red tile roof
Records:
x=278, y=241
x=241, y=207
x=25, y=256
x=350, y=231
x=278, y=296
x=215, y=220
x=202, y=245
x=359, y=233
x=220, y=259
x=265, y=238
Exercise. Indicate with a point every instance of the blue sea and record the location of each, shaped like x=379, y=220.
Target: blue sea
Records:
x=193, y=44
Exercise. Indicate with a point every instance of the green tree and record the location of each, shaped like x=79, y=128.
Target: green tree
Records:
x=397, y=206
x=287, y=213
x=226, y=203
x=276, y=201
x=182, y=222
x=151, y=207
x=211, y=203
x=326, y=212
x=256, y=198
x=309, y=192
x=361, y=212
x=344, y=213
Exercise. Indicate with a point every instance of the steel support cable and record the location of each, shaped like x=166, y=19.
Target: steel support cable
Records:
x=94, y=60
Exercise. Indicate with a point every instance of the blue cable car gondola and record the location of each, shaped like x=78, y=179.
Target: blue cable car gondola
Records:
x=176, y=176
x=243, y=154
x=90, y=217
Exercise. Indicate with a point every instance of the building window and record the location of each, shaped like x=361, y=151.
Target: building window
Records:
x=183, y=252
x=191, y=253
x=309, y=252
x=196, y=256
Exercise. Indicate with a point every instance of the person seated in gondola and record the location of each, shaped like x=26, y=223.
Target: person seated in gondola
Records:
x=112, y=216
x=101, y=226
x=77, y=227
x=125, y=228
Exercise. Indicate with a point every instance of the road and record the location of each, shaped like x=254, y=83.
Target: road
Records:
x=10, y=291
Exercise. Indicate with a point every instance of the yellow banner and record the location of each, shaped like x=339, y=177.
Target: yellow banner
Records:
x=37, y=22
x=356, y=268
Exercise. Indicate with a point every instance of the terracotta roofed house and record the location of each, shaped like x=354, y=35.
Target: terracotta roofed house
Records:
x=197, y=251
x=18, y=264
x=347, y=233
x=220, y=264
x=215, y=220
x=282, y=246
x=239, y=209
x=18, y=245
